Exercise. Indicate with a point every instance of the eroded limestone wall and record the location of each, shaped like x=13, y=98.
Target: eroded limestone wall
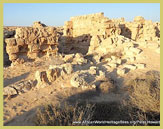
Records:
x=32, y=42
x=140, y=29
x=80, y=29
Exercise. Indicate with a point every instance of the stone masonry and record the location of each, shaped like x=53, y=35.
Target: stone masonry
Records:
x=80, y=29
x=32, y=42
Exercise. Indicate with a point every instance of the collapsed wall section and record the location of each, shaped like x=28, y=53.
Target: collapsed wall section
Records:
x=31, y=42
x=140, y=29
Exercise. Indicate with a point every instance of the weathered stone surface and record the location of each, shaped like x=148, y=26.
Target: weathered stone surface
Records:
x=139, y=19
x=10, y=41
x=112, y=65
x=68, y=68
x=12, y=49
x=78, y=35
x=93, y=70
x=34, y=41
x=13, y=57
x=140, y=66
x=42, y=79
x=52, y=74
x=79, y=59
x=130, y=66
x=69, y=58
x=94, y=35
x=18, y=88
x=9, y=91
x=121, y=71
x=78, y=80
x=38, y=24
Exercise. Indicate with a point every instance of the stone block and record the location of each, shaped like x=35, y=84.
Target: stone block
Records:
x=121, y=71
x=112, y=65
x=13, y=57
x=130, y=66
x=20, y=42
x=32, y=55
x=140, y=66
x=52, y=74
x=69, y=58
x=12, y=49
x=10, y=42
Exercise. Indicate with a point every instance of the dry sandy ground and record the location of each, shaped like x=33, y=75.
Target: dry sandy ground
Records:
x=20, y=109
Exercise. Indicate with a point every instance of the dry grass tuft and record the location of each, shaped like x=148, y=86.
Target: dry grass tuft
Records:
x=64, y=115
x=145, y=93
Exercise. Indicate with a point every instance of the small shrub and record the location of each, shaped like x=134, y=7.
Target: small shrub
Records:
x=65, y=115
x=143, y=103
x=145, y=93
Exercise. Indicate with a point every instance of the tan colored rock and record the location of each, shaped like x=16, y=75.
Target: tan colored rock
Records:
x=96, y=58
x=135, y=50
x=158, y=50
x=13, y=57
x=139, y=19
x=12, y=49
x=101, y=74
x=68, y=68
x=69, y=58
x=92, y=70
x=52, y=74
x=38, y=24
x=33, y=42
x=20, y=42
x=33, y=47
x=19, y=33
x=42, y=79
x=10, y=42
x=78, y=80
x=32, y=55
x=130, y=66
x=112, y=65
x=80, y=59
x=119, y=61
x=121, y=71
x=140, y=66
x=18, y=61
x=9, y=91
x=31, y=37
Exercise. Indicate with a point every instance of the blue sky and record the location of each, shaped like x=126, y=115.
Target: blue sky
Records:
x=55, y=14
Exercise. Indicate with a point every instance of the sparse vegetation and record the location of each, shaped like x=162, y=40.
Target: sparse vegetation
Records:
x=145, y=93
x=142, y=105
x=51, y=115
x=144, y=98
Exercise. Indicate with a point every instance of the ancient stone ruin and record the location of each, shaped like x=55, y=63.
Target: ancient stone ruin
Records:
x=85, y=34
x=90, y=58
x=32, y=42
x=80, y=29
